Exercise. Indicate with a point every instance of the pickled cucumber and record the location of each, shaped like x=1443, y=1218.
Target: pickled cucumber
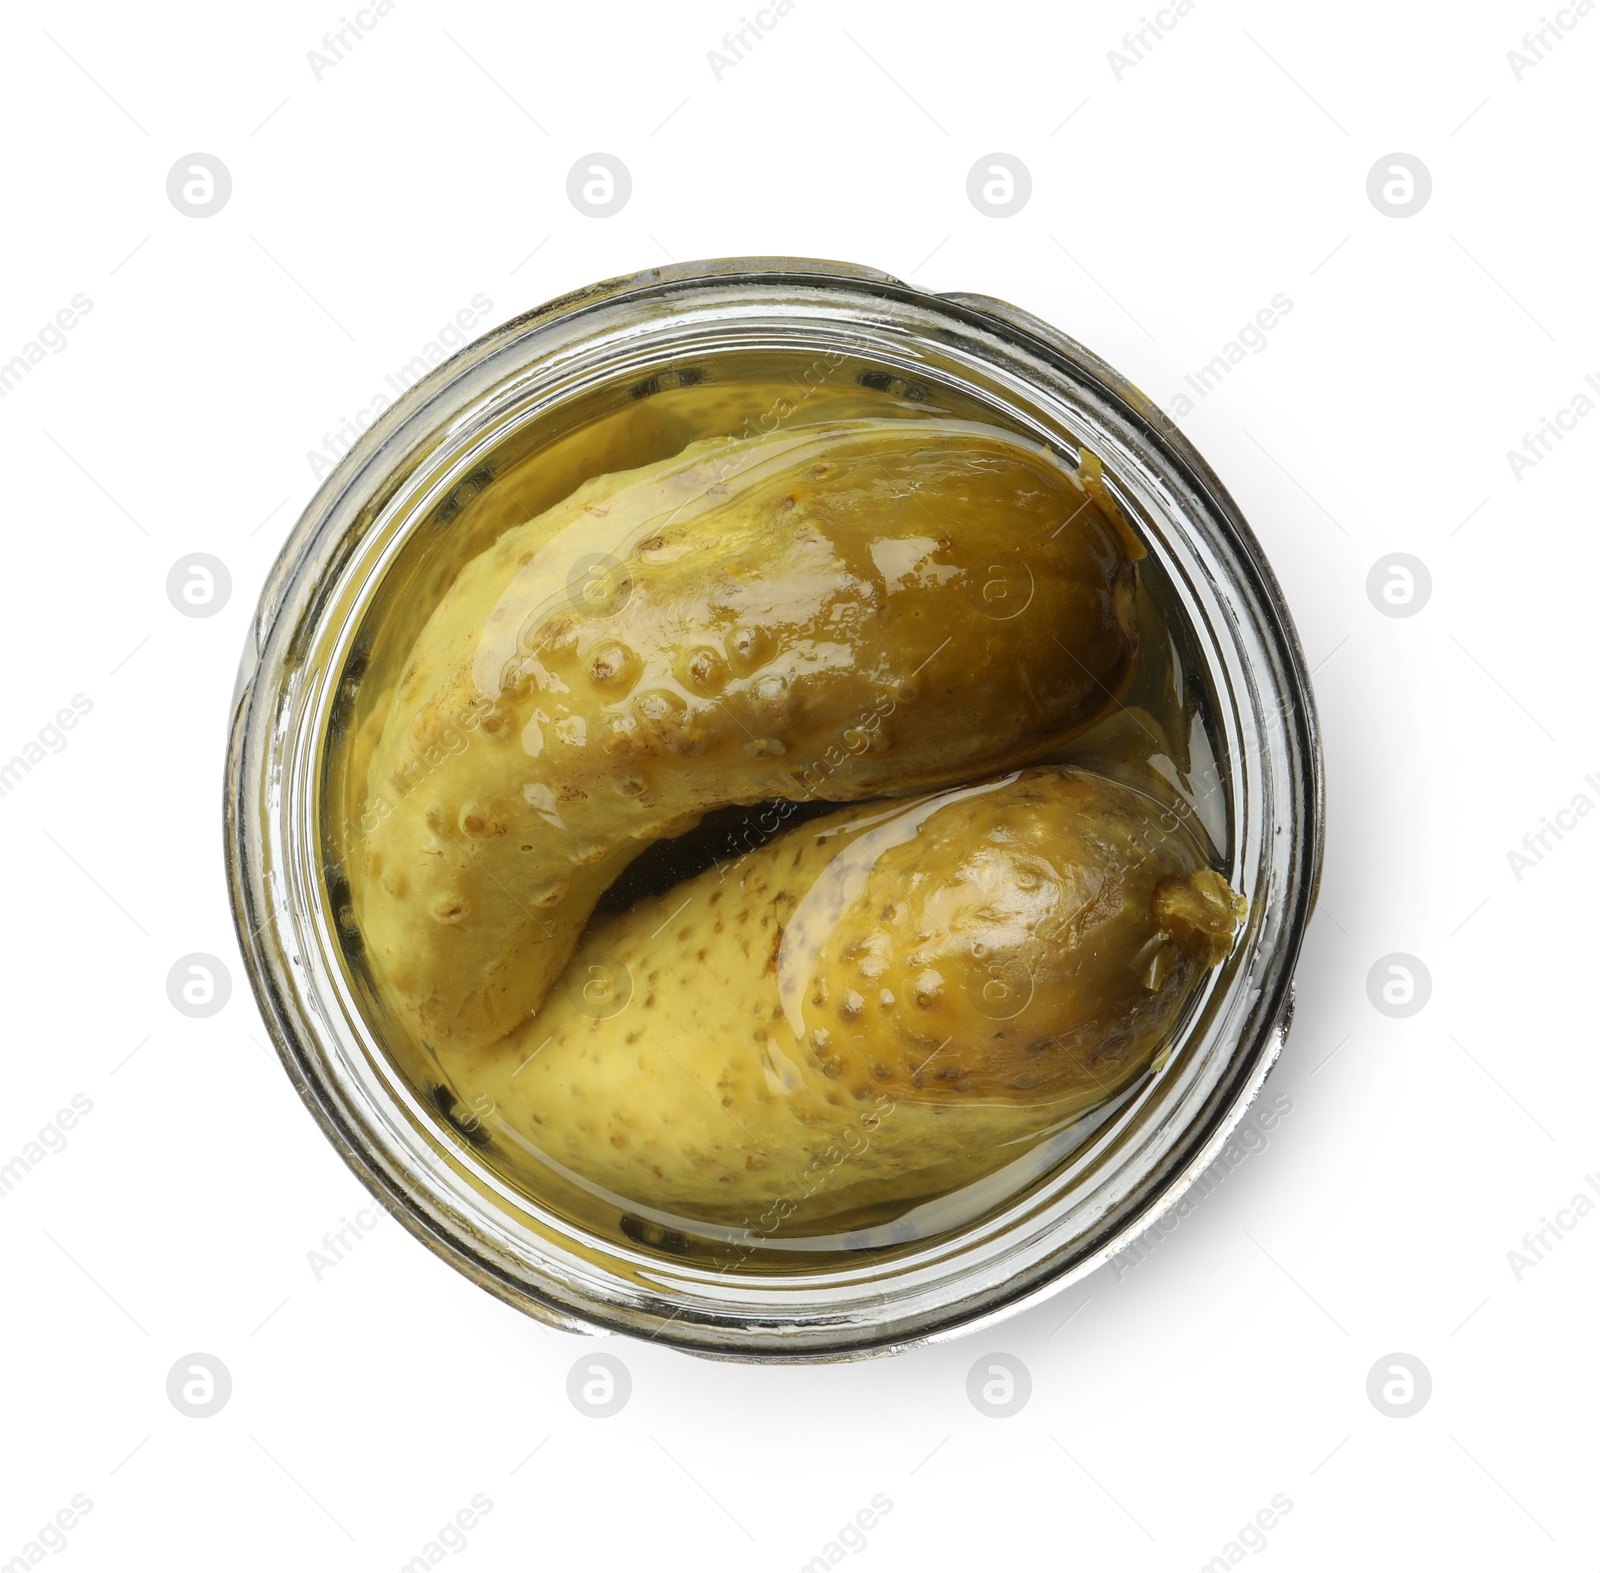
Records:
x=894, y=996
x=840, y=611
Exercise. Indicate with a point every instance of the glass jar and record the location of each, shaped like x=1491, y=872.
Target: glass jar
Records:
x=360, y=558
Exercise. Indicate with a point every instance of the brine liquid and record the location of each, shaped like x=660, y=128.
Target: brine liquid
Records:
x=1160, y=738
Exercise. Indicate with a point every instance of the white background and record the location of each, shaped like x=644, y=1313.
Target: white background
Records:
x=1168, y=207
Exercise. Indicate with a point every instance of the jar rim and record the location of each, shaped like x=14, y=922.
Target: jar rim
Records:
x=312, y=600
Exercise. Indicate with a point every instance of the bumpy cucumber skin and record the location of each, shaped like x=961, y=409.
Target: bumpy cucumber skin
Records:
x=885, y=999
x=841, y=611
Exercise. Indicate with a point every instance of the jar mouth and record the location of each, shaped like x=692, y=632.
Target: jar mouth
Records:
x=407, y=473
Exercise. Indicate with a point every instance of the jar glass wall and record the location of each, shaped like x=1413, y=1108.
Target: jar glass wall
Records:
x=626, y=375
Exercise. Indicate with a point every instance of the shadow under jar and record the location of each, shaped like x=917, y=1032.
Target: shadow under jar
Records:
x=443, y=1105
